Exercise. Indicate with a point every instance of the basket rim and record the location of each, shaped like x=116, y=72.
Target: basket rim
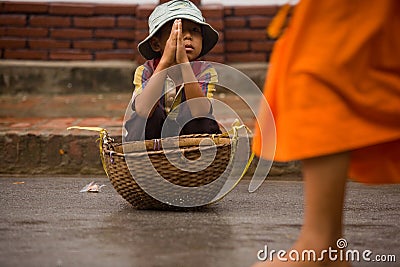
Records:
x=187, y=143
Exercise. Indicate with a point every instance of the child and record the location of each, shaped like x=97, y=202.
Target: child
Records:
x=334, y=91
x=178, y=37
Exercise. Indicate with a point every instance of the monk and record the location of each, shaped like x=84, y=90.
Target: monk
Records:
x=334, y=90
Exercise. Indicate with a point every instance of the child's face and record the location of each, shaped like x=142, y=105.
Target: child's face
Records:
x=191, y=35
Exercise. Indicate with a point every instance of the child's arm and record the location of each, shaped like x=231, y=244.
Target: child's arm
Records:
x=146, y=101
x=201, y=106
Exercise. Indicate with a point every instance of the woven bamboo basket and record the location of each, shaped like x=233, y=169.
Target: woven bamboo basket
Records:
x=125, y=162
x=115, y=157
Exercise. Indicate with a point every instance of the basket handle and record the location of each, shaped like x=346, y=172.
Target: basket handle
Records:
x=236, y=126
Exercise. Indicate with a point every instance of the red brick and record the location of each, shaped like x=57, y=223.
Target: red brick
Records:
x=13, y=20
x=246, y=57
x=12, y=43
x=10, y=148
x=235, y=22
x=94, y=22
x=28, y=7
x=29, y=150
x=95, y=44
x=71, y=33
x=259, y=22
x=115, y=9
x=124, y=55
x=70, y=55
x=29, y=122
x=92, y=156
x=214, y=58
x=61, y=123
x=219, y=48
x=126, y=22
x=237, y=46
x=140, y=35
x=71, y=9
x=48, y=43
x=25, y=54
x=196, y=2
x=255, y=10
x=75, y=152
x=142, y=24
x=217, y=24
x=135, y=43
x=144, y=11
x=228, y=11
x=221, y=36
x=119, y=34
x=126, y=45
x=244, y=34
x=50, y=21
x=262, y=46
x=212, y=11
x=52, y=148
x=98, y=122
x=27, y=32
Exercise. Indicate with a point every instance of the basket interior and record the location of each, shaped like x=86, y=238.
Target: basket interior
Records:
x=117, y=156
x=184, y=143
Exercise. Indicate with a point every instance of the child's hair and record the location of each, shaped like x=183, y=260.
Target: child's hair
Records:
x=169, y=11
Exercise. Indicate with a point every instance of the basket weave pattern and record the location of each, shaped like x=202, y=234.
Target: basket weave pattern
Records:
x=115, y=157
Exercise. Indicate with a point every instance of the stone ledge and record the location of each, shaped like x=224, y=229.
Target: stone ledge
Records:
x=50, y=77
x=69, y=77
x=76, y=153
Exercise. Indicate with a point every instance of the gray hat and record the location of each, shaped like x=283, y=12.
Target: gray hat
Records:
x=177, y=9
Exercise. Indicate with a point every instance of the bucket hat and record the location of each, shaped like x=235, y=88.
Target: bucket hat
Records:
x=177, y=9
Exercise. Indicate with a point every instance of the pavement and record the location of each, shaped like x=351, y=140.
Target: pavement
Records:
x=47, y=222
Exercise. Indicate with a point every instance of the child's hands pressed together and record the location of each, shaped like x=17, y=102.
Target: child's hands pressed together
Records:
x=181, y=56
x=169, y=54
x=174, y=52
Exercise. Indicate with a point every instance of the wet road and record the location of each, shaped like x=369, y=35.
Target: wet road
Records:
x=47, y=222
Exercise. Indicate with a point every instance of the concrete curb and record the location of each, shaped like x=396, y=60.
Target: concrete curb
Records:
x=75, y=152
x=49, y=154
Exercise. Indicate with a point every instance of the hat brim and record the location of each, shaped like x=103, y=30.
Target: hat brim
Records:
x=210, y=39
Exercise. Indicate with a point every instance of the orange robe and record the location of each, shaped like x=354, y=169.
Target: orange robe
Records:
x=334, y=85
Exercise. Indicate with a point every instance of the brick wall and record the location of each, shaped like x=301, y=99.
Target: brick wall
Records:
x=89, y=31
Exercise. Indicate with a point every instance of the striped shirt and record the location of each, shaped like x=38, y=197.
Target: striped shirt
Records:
x=203, y=71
